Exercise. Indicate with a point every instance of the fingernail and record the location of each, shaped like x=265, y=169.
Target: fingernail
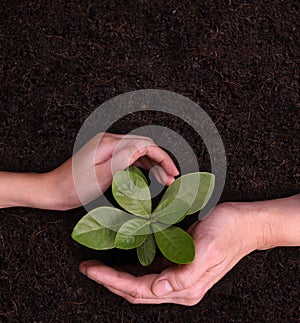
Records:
x=82, y=268
x=171, y=179
x=162, y=288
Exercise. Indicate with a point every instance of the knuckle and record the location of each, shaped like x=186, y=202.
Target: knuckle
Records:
x=139, y=146
x=181, y=281
x=134, y=295
x=216, y=255
x=215, y=251
x=102, y=137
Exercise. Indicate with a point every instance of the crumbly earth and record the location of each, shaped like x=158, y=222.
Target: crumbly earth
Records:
x=59, y=60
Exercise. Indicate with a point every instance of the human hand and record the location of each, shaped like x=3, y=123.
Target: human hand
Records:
x=89, y=172
x=227, y=234
x=221, y=240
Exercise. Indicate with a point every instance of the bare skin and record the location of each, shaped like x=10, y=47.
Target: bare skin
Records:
x=227, y=234
x=230, y=232
x=101, y=156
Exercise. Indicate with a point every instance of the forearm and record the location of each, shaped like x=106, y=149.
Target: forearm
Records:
x=25, y=189
x=277, y=222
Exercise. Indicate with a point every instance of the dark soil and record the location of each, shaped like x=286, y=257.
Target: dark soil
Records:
x=60, y=60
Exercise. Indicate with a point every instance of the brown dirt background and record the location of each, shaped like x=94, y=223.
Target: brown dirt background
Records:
x=59, y=60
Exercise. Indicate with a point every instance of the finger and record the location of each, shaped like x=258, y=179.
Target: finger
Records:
x=128, y=155
x=137, y=300
x=187, y=297
x=127, y=149
x=136, y=290
x=129, y=136
x=114, y=142
x=215, y=274
x=175, y=279
x=160, y=157
x=158, y=172
x=104, y=144
x=120, y=161
x=88, y=263
x=125, y=283
x=183, y=277
x=145, y=163
x=161, y=176
x=194, y=293
x=152, y=151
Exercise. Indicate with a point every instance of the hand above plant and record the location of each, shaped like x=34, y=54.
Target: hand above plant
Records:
x=56, y=189
x=140, y=227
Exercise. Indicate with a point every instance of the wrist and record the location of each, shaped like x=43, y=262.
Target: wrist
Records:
x=36, y=191
x=54, y=191
x=48, y=198
x=61, y=194
x=268, y=230
x=276, y=222
x=24, y=189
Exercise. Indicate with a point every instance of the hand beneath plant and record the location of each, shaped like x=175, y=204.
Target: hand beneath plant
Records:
x=229, y=233
x=87, y=174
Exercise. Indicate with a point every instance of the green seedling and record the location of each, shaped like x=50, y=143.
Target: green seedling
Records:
x=137, y=226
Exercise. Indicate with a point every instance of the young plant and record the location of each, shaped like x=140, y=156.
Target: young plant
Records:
x=137, y=226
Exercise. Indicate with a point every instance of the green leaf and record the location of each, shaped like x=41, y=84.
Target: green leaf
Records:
x=172, y=211
x=146, y=251
x=132, y=193
x=137, y=171
x=175, y=244
x=110, y=217
x=195, y=189
x=90, y=233
x=132, y=234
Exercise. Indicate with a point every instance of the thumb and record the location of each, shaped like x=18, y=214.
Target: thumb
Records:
x=177, y=278
x=182, y=277
x=120, y=160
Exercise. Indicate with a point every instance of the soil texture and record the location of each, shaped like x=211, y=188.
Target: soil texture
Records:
x=60, y=60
